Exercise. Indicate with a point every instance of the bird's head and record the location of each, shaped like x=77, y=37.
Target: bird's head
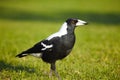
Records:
x=75, y=22
x=70, y=24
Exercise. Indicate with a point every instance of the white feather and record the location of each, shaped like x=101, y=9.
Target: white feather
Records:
x=36, y=55
x=46, y=46
x=61, y=32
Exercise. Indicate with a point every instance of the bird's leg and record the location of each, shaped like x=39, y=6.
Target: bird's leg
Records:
x=51, y=72
x=53, y=69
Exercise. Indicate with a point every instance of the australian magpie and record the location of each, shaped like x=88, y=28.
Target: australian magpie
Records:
x=57, y=46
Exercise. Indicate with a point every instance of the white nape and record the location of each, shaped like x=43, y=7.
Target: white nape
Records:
x=61, y=32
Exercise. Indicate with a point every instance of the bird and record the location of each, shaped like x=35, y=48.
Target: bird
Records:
x=56, y=46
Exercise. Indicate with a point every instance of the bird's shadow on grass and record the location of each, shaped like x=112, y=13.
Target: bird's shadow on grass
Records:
x=92, y=17
x=8, y=66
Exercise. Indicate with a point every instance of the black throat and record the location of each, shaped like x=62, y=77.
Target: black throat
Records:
x=70, y=29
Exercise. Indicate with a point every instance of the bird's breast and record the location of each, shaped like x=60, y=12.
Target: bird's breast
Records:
x=68, y=41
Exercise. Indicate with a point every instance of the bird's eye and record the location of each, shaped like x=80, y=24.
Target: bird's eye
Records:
x=74, y=21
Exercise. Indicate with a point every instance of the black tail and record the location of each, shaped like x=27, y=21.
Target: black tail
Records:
x=34, y=49
x=21, y=55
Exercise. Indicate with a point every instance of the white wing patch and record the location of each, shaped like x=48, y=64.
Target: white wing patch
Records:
x=46, y=46
x=61, y=32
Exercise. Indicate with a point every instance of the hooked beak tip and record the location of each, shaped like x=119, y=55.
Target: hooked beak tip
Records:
x=86, y=23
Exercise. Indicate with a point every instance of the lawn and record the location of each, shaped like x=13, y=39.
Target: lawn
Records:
x=96, y=54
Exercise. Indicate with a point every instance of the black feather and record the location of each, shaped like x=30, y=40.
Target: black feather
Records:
x=21, y=55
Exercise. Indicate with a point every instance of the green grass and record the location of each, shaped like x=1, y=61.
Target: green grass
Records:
x=96, y=54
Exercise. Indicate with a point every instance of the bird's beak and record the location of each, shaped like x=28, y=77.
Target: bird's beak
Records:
x=80, y=22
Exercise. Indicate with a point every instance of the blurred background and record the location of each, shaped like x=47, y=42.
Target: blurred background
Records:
x=96, y=54
x=102, y=12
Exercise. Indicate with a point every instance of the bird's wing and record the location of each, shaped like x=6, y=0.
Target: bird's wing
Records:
x=40, y=47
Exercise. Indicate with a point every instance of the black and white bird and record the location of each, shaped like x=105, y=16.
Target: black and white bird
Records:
x=57, y=46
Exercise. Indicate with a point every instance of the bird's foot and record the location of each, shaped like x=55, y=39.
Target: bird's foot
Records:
x=50, y=74
x=56, y=74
